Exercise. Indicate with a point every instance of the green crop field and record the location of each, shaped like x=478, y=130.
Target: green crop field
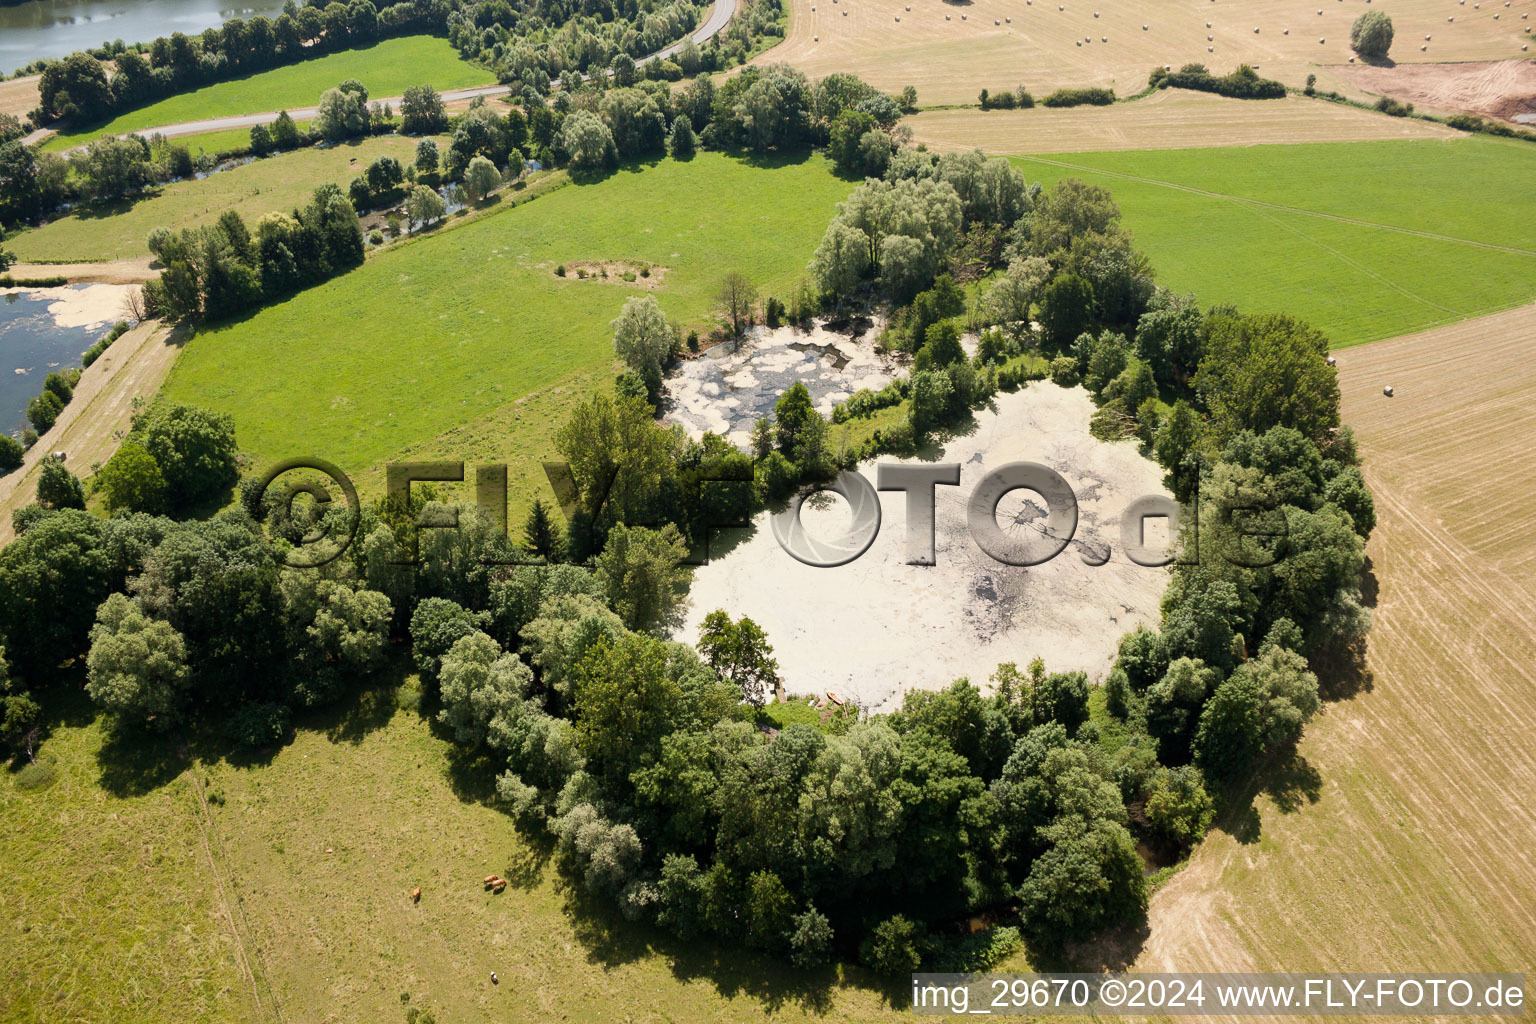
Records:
x=276, y=184
x=286, y=895
x=456, y=344
x=1366, y=240
x=387, y=68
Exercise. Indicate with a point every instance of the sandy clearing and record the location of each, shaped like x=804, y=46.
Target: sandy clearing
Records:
x=877, y=626
x=19, y=96
x=92, y=425
x=1417, y=849
x=1168, y=119
x=1036, y=43
x=88, y=305
x=106, y=272
x=1500, y=89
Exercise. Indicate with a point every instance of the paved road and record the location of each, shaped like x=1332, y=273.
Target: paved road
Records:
x=719, y=16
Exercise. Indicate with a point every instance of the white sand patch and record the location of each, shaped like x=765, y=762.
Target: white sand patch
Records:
x=729, y=388
x=877, y=626
x=90, y=305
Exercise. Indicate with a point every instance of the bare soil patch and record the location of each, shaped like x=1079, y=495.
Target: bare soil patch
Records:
x=106, y=272
x=1499, y=89
x=632, y=273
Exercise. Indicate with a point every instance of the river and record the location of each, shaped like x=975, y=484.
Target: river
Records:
x=46, y=329
x=56, y=28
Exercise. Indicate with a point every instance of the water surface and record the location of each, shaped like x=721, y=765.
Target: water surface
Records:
x=56, y=28
x=31, y=339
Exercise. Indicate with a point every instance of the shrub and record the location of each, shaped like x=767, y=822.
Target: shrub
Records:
x=894, y=947
x=11, y=453
x=1064, y=371
x=1242, y=84
x=1371, y=35
x=259, y=725
x=1078, y=97
x=1390, y=106
x=560, y=270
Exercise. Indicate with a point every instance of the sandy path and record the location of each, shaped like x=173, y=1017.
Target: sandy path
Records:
x=135, y=271
x=1413, y=847
x=94, y=422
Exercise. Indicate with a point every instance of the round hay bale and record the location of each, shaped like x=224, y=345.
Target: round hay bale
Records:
x=962, y=17
x=1255, y=30
x=1285, y=31
x=1426, y=38
x=815, y=39
x=1103, y=39
x=1495, y=17
x=1207, y=24
x=946, y=17
x=1143, y=28
x=1332, y=361
x=1008, y=20
x=1351, y=60
x=1321, y=40
x=996, y=22
x=1210, y=39
x=1079, y=42
x=898, y=17
x=1095, y=14
x=1422, y=48
x=1210, y=49
x=1387, y=390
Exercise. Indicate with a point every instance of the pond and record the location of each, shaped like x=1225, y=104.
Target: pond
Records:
x=56, y=28
x=46, y=329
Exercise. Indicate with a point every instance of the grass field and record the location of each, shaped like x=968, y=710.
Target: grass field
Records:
x=452, y=344
x=951, y=51
x=276, y=184
x=1411, y=846
x=1366, y=240
x=387, y=68
x=285, y=896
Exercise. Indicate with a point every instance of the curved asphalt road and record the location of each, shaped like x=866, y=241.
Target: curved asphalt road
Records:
x=719, y=16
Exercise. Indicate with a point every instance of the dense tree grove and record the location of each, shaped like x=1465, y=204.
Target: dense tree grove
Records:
x=222, y=269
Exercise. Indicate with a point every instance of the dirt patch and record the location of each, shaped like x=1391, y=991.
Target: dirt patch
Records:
x=1501, y=89
x=633, y=273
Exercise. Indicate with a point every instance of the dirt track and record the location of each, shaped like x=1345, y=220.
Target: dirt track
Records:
x=1170, y=119
x=1409, y=842
x=94, y=422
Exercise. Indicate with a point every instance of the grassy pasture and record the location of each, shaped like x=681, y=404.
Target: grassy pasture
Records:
x=387, y=68
x=448, y=345
x=314, y=853
x=1366, y=240
x=276, y=184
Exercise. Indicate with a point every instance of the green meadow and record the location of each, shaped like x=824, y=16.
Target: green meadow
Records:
x=155, y=880
x=1367, y=240
x=276, y=184
x=466, y=342
x=387, y=68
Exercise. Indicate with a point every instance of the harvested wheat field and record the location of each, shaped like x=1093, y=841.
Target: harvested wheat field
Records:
x=1047, y=44
x=19, y=95
x=1168, y=119
x=1504, y=89
x=1402, y=839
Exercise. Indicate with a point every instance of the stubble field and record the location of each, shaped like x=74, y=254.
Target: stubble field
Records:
x=1403, y=838
x=1047, y=44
